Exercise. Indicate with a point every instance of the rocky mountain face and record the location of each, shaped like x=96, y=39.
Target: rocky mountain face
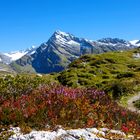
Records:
x=4, y=61
x=4, y=58
x=62, y=48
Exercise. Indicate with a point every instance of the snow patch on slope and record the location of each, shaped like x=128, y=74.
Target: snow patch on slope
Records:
x=135, y=42
x=62, y=33
x=15, y=55
x=71, y=42
x=18, y=54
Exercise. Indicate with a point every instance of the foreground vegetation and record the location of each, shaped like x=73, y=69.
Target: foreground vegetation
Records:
x=41, y=102
x=54, y=104
x=137, y=104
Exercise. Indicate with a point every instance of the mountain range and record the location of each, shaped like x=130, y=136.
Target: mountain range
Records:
x=59, y=51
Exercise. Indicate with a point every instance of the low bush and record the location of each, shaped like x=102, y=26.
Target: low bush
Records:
x=125, y=75
x=137, y=104
x=54, y=104
x=15, y=86
x=118, y=88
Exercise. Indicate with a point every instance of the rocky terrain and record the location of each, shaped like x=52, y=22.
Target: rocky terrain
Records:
x=72, y=134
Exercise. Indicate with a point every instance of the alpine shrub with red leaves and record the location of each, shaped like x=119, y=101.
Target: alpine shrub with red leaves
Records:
x=55, y=104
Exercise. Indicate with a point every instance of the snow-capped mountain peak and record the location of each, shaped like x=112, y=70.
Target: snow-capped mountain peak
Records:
x=59, y=35
x=61, y=49
x=58, y=32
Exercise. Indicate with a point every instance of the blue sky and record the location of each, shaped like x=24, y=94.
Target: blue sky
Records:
x=24, y=23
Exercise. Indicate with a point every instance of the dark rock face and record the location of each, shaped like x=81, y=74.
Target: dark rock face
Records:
x=138, y=42
x=113, y=41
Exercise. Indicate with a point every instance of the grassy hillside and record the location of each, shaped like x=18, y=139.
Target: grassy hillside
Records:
x=117, y=73
x=5, y=69
x=37, y=101
x=23, y=65
x=32, y=102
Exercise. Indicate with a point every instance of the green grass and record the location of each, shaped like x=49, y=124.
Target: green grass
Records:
x=33, y=97
x=123, y=100
x=106, y=71
x=22, y=69
x=137, y=104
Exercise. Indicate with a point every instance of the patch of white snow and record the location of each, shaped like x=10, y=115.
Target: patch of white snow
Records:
x=71, y=42
x=135, y=42
x=62, y=33
x=15, y=55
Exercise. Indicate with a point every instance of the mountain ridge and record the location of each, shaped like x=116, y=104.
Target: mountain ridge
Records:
x=62, y=48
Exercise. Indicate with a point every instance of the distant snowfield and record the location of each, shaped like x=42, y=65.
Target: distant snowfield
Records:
x=135, y=42
x=18, y=54
x=15, y=55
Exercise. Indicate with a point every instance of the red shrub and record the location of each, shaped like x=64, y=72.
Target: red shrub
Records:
x=55, y=104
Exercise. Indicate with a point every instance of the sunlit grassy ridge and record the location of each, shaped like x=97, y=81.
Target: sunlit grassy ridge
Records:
x=117, y=73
